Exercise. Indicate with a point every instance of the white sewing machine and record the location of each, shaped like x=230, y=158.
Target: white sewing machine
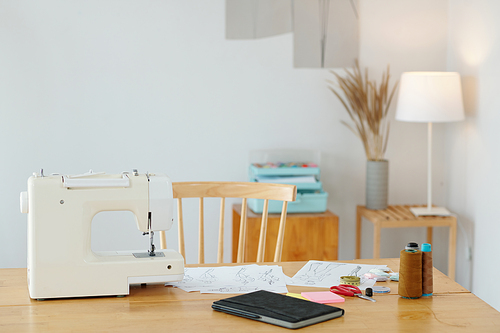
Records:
x=60, y=211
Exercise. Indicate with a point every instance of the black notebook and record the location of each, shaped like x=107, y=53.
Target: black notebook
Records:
x=277, y=309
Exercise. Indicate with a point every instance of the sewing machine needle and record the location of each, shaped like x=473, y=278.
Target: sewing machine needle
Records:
x=152, y=246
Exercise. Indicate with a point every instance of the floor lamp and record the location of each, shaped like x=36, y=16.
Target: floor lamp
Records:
x=430, y=97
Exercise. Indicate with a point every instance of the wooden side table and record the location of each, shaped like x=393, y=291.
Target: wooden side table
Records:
x=308, y=236
x=400, y=216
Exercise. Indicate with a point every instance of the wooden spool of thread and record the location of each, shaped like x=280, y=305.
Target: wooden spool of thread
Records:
x=427, y=278
x=410, y=274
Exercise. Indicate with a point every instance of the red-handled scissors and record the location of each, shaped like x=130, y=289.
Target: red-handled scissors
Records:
x=349, y=290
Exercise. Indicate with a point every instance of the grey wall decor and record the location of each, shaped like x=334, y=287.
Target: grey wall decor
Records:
x=251, y=19
x=325, y=32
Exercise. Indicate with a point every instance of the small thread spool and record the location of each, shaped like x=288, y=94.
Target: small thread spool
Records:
x=410, y=273
x=381, y=290
x=412, y=246
x=427, y=277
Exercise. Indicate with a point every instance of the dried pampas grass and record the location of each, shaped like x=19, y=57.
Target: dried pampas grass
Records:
x=367, y=105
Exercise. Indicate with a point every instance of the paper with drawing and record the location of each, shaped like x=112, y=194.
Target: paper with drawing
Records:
x=233, y=279
x=326, y=274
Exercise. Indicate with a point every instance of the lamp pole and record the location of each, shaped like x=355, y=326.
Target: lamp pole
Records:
x=429, y=210
x=429, y=166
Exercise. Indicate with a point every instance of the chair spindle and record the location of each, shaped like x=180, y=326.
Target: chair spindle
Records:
x=182, y=247
x=243, y=227
x=220, y=251
x=263, y=232
x=201, y=237
x=281, y=233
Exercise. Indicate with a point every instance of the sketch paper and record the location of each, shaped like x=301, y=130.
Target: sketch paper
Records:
x=233, y=279
x=326, y=274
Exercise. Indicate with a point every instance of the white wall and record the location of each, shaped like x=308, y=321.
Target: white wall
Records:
x=153, y=85
x=473, y=146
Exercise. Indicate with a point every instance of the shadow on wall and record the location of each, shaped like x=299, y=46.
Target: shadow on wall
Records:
x=469, y=92
x=465, y=236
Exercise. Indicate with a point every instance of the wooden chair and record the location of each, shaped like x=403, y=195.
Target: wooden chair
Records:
x=244, y=190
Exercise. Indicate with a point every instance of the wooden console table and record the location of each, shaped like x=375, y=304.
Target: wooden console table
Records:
x=308, y=236
x=400, y=216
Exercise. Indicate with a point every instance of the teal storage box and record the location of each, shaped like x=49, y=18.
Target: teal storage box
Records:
x=310, y=195
x=305, y=203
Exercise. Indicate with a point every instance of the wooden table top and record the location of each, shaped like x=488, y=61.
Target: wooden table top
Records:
x=159, y=308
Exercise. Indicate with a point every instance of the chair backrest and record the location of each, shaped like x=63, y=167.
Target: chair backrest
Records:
x=223, y=190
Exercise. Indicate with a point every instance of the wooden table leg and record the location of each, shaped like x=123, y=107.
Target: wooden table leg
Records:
x=358, y=232
x=376, y=240
x=452, y=249
x=429, y=235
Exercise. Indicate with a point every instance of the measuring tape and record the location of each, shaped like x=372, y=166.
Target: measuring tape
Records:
x=351, y=280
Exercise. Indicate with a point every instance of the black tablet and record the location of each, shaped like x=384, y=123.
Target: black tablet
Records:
x=277, y=309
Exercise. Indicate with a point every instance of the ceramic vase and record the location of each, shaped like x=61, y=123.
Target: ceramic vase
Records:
x=377, y=184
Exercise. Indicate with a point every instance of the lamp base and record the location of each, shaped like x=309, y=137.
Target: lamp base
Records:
x=433, y=211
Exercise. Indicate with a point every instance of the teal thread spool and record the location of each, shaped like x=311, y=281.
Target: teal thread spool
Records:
x=427, y=277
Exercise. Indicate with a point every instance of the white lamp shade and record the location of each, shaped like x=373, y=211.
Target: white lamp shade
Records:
x=430, y=97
